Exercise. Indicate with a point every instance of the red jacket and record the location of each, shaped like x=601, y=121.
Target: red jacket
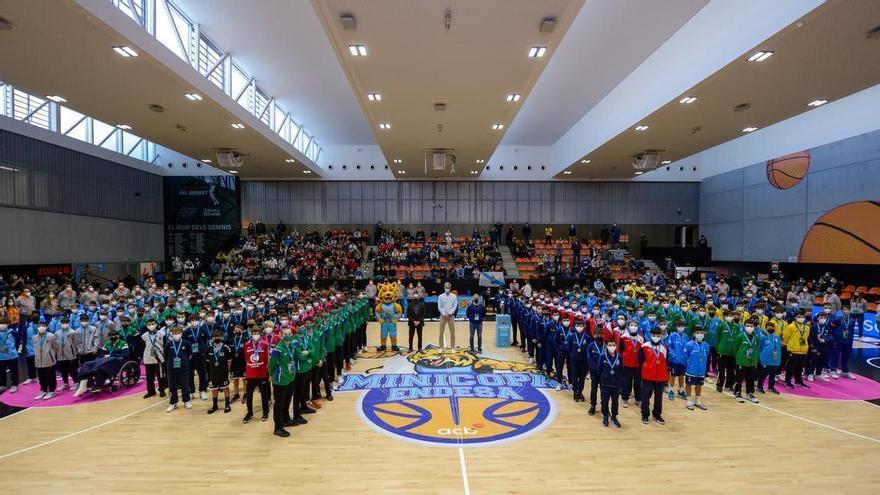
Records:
x=260, y=367
x=654, y=367
x=630, y=351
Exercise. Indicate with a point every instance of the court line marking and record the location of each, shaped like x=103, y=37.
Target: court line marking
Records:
x=15, y=413
x=464, y=473
x=795, y=416
x=86, y=430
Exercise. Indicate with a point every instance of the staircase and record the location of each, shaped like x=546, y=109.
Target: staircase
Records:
x=651, y=266
x=509, y=262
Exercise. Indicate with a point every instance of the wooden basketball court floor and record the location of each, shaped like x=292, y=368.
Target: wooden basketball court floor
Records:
x=786, y=444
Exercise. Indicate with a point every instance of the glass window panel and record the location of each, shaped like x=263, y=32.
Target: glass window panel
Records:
x=68, y=118
x=209, y=54
x=166, y=31
x=184, y=27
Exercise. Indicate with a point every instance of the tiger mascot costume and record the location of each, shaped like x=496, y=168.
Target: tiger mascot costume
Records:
x=388, y=312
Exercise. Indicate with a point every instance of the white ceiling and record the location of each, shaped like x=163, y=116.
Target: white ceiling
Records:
x=606, y=42
x=283, y=45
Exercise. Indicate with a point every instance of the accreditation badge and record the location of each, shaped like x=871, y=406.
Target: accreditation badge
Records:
x=195, y=347
x=176, y=363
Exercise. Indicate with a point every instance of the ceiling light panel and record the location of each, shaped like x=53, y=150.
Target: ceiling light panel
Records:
x=760, y=56
x=357, y=50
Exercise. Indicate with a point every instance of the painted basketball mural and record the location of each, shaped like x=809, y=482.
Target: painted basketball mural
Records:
x=453, y=398
x=849, y=233
x=787, y=171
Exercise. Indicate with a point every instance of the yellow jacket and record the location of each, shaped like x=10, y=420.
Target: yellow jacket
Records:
x=796, y=338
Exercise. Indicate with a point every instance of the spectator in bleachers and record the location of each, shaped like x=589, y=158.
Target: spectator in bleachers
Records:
x=572, y=232
x=548, y=235
x=615, y=234
x=527, y=232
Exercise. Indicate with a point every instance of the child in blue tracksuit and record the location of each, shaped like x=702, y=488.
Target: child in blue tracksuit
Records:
x=677, y=359
x=610, y=372
x=26, y=332
x=549, y=345
x=696, y=354
x=8, y=357
x=769, y=357
x=594, y=357
x=577, y=344
x=841, y=350
x=476, y=313
x=562, y=355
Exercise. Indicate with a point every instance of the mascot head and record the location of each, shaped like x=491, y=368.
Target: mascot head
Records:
x=387, y=292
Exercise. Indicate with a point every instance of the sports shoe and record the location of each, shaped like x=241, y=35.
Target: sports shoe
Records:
x=644, y=420
x=690, y=405
x=682, y=394
x=824, y=376
x=212, y=409
x=739, y=398
x=188, y=405
x=265, y=417
x=774, y=390
x=671, y=394
x=40, y=396
x=615, y=422
x=247, y=417
x=592, y=410
x=847, y=374
x=203, y=395
x=835, y=375
x=28, y=381
x=66, y=386
x=810, y=377
x=281, y=432
x=170, y=408
x=659, y=420
x=699, y=405
x=605, y=421
x=308, y=410
x=13, y=389
x=149, y=394
x=49, y=396
x=752, y=399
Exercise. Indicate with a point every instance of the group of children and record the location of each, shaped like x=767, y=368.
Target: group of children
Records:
x=641, y=344
x=283, y=343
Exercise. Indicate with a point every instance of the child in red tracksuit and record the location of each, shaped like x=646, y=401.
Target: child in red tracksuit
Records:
x=256, y=358
x=655, y=373
x=630, y=345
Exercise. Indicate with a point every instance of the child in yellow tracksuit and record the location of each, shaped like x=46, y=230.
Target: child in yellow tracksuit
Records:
x=795, y=339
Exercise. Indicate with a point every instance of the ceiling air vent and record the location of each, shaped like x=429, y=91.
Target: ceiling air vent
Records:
x=348, y=22
x=548, y=24
x=439, y=107
x=156, y=108
x=742, y=107
x=5, y=25
x=873, y=34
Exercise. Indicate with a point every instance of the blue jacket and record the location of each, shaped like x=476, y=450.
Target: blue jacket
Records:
x=845, y=330
x=198, y=339
x=594, y=356
x=551, y=335
x=610, y=370
x=675, y=344
x=578, y=346
x=696, y=358
x=770, y=349
x=8, y=344
x=562, y=336
x=824, y=332
x=28, y=337
x=476, y=313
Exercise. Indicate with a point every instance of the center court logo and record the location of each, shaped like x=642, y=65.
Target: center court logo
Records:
x=453, y=398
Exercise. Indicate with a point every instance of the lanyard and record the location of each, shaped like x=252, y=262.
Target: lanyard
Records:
x=214, y=350
x=609, y=363
x=195, y=333
x=42, y=341
x=176, y=347
x=152, y=336
x=821, y=332
x=257, y=347
x=657, y=352
x=236, y=342
x=580, y=339
x=749, y=340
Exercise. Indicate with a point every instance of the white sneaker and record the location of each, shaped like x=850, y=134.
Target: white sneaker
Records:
x=49, y=396
x=824, y=376
x=171, y=407
x=66, y=386
x=752, y=399
x=810, y=377
x=40, y=396
x=203, y=395
x=188, y=405
x=13, y=389
x=559, y=387
x=28, y=381
x=847, y=374
x=835, y=375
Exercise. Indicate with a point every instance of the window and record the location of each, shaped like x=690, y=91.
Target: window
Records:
x=209, y=55
x=134, y=9
x=73, y=123
x=261, y=101
x=30, y=109
x=173, y=29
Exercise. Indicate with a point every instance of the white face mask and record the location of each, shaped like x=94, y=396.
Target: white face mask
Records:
x=698, y=337
x=655, y=339
x=663, y=326
x=555, y=317
x=702, y=313
x=779, y=315
x=728, y=318
x=255, y=337
x=579, y=328
x=633, y=329
x=103, y=317
x=827, y=310
x=65, y=326
x=611, y=348
x=151, y=327
x=750, y=329
x=800, y=319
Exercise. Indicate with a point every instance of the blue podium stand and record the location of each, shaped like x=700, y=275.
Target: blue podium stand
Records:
x=502, y=330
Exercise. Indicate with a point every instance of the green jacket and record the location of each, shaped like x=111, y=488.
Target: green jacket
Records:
x=283, y=361
x=305, y=347
x=746, y=349
x=727, y=333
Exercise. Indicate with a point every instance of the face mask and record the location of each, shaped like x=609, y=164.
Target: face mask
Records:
x=633, y=329
x=665, y=305
x=65, y=326
x=821, y=321
x=565, y=323
x=103, y=317
x=663, y=326
x=750, y=329
x=611, y=348
x=679, y=329
x=193, y=324
x=217, y=340
x=698, y=337
x=168, y=323
x=655, y=339
x=728, y=318
x=176, y=337
x=652, y=318
x=181, y=320
x=701, y=313
x=779, y=315
x=151, y=328
x=255, y=337
x=800, y=319
x=621, y=321
x=827, y=310
x=771, y=330
x=640, y=312
x=579, y=328
x=210, y=319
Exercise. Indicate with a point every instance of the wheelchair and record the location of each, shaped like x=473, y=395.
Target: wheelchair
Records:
x=128, y=376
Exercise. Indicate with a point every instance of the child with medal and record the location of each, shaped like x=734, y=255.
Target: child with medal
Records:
x=282, y=367
x=821, y=338
x=577, y=344
x=745, y=348
x=177, y=357
x=769, y=357
x=795, y=340
x=610, y=378
x=256, y=358
x=696, y=354
x=655, y=373
x=236, y=342
x=218, y=356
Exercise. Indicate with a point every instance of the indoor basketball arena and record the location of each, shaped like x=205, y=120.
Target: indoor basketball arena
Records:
x=439, y=246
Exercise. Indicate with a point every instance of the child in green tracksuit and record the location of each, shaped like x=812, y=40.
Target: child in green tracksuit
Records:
x=283, y=370
x=745, y=348
x=319, y=355
x=726, y=334
x=304, y=345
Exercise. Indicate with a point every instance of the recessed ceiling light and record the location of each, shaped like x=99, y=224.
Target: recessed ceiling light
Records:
x=307, y=171
x=401, y=172
x=125, y=51
x=585, y=161
x=497, y=127
x=641, y=128
x=193, y=97
x=357, y=50
x=513, y=97
x=398, y=160
x=384, y=125
x=481, y=161
x=639, y=173
x=760, y=56
x=124, y=127
x=237, y=126
x=474, y=172
x=817, y=103
x=290, y=160
x=687, y=100
x=207, y=160
x=665, y=162
x=750, y=129
x=537, y=51
x=56, y=99
x=374, y=96
x=567, y=172
x=233, y=172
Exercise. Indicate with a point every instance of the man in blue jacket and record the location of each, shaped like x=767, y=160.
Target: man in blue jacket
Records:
x=610, y=367
x=594, y=355
x=476, y=314
x=577, y=346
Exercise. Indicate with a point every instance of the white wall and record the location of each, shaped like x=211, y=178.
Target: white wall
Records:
x=40, y=237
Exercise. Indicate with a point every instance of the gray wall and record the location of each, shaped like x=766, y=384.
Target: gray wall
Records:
x=746, y=219
x=62, y=206
x=469, y=203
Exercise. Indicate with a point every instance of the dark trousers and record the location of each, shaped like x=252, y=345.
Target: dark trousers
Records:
x=47, y=379
x=841, y=353
x=578, y=375
x=563, y=362
x=197, y=365
x=860, y=323
x=10, y=366
x=476, y=329
x=610, y=394
x=68, y=369
x=712, y=362
x=745, y=374
x=594, y=386
x=652, y=389
x=31, y=367
x=530, y=345
x=514, y=328
x=330, y=363
x=155, y=375
x=726, y=371
x=768, y=373
x=413, y=331
x=85, y=358
x=632, y=382
x=816, y=360
x=300, y=392
x=281, y=411
x=339, y=360
x=319, y=374
x=362, y=336
x=794, y=369
x=178, y=378
x=252, y=384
